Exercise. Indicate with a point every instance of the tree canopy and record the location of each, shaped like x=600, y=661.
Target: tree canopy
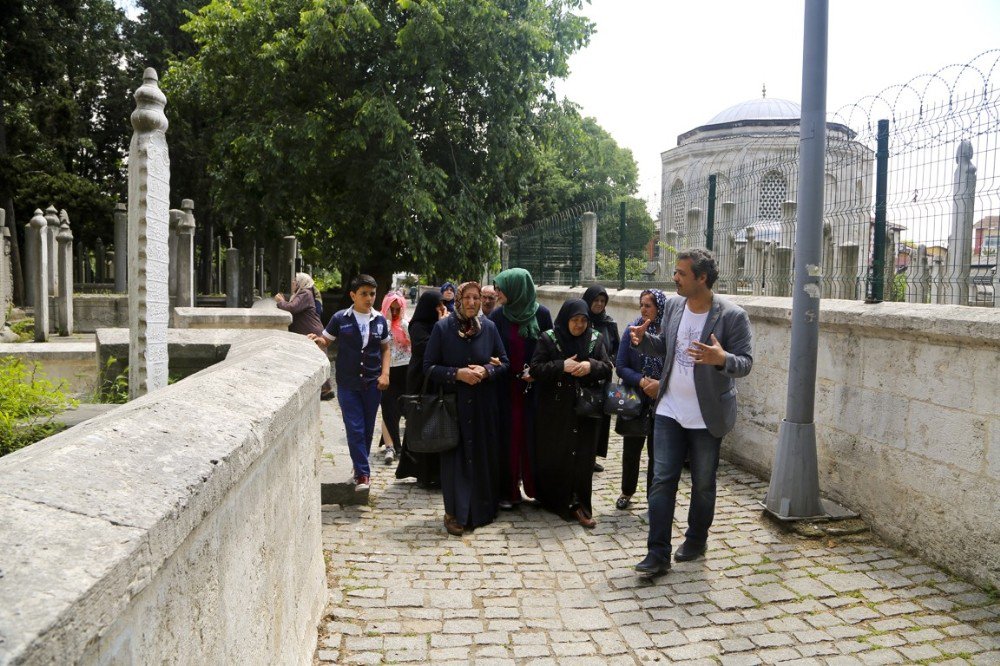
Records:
x=393, y=133
x=388, y=135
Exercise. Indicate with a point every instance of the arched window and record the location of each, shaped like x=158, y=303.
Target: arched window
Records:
x=830, y=193
x=677, y=205
x=773, y=192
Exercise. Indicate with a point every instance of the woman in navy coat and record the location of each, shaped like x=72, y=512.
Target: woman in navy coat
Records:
x=465, y=356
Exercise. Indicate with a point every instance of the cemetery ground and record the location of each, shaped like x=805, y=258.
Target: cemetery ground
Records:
x=533, y=589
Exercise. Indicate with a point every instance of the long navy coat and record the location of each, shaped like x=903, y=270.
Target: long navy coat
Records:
x=469, y=472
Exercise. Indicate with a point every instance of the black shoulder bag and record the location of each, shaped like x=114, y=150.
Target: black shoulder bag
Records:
x=431, y=420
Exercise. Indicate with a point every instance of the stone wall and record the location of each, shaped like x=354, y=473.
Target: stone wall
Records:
x=94, y=311
x=183, y=527
x=907, y=416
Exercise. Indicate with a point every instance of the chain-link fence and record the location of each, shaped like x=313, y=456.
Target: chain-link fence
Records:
x=911, y=201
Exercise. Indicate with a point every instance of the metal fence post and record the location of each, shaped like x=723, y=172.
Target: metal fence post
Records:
x=574, y=235
x=881, y=194
x=621, y=245
x=710, y=221
x=540, y=279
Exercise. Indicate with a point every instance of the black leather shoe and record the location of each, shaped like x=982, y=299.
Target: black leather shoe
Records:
x=689, y=551
x=653, y=565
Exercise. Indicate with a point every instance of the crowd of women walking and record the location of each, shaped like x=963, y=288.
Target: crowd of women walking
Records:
x=517, y=376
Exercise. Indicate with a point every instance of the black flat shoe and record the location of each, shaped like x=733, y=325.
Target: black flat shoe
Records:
x=689, y=551
x=623, y=501
x=653, y=565
x=598, y=467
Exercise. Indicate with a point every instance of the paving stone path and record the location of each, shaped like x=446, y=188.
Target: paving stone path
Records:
x=533, y=589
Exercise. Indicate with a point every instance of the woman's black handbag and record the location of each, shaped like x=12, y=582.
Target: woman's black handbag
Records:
x=621, y=400
x=636, y=426
x=590, y=400
x=431, y=420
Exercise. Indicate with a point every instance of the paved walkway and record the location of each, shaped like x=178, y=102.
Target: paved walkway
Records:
x=532, y=589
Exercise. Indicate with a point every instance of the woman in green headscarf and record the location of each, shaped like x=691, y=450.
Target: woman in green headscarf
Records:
x=520, y=318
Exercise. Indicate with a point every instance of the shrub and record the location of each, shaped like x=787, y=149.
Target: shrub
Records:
x=24, y=329
x=27, y=404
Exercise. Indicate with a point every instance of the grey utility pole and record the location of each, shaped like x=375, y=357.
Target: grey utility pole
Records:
x=794, y=489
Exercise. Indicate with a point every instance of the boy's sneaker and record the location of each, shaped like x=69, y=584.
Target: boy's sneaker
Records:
x=362, y=483
x=390, y=456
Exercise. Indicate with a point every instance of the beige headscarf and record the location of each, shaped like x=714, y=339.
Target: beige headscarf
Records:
x=468, y=327
x=302, y=281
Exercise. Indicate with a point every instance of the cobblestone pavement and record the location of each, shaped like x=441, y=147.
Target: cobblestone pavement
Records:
x=533, y=589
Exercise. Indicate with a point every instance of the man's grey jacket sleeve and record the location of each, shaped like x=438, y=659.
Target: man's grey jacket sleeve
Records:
x=738, y=345
x=651, y=345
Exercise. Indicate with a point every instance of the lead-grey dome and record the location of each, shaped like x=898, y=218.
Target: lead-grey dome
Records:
x=758, y=109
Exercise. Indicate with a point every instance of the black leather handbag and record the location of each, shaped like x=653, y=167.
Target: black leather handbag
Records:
x=635, y=426
x=621, y=400
x=590, y=400
x=431, y=420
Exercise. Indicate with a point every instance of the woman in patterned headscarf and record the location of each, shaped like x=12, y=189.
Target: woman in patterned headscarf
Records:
x=641, y=372
x=519, y=318
x=465, y=357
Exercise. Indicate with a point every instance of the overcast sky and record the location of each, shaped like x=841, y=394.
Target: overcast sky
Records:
x=657, y=68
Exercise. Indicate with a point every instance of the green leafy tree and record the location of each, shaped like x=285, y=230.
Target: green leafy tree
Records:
x=63, y=96
x=574, y=161
x=392, y=134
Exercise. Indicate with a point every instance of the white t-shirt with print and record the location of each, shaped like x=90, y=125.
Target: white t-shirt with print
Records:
x=680, y=402
x=398, y=355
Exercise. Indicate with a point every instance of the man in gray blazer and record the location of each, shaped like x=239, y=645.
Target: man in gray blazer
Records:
x=706, y=342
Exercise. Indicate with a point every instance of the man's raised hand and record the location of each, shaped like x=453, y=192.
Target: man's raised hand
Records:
x=639, y=331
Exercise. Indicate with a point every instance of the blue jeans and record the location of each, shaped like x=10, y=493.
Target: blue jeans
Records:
x=359, y=408
x=671, y=445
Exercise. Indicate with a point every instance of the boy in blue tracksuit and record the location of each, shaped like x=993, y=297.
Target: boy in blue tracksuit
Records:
x=362, y=370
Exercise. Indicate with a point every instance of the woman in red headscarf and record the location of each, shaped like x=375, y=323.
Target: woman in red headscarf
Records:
x=394, y=311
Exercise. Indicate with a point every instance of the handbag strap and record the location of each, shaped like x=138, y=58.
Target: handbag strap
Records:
x=427, y=380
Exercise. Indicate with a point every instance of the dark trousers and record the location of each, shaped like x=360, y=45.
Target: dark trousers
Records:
x=671, y=445
x=631, y=461
x=359, y=409
x=391, y=413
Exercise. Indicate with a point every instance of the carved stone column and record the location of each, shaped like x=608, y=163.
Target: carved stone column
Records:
x=37, y=228
x=65, y=296
x=148, y=230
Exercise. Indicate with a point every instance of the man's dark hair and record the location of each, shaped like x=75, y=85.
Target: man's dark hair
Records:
x=363, y=280
x=702, y=263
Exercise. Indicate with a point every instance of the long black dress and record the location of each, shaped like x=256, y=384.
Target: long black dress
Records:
x=470, y=478
x=565, y=443
x=425, y=467
x=610, y=337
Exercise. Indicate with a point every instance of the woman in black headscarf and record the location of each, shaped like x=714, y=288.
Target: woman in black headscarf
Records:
x=571, y=354
x=426, y=467
x=596, y=298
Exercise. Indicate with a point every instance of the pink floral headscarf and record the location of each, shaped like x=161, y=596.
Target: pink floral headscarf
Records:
x=396, y=325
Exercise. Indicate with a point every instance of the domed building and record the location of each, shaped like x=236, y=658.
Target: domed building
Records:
x=752, y=150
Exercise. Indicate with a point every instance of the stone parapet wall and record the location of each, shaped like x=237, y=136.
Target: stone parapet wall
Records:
x=182, y=527
x=907, y=417
x=267, y=316
x=67, y=364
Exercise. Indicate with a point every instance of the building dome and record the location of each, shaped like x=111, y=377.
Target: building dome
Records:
x=758, y=109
